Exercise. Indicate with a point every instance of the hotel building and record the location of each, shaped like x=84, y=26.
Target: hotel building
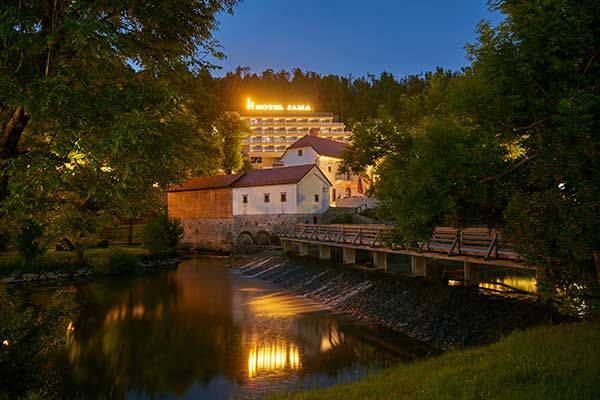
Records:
x=274, y=127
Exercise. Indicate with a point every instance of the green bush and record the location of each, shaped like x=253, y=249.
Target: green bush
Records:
x=121, y=262
x=114, y=261
x=162, y=235
x=27, y=240
x=31, y=342
x=103, y=244
x=341, y=219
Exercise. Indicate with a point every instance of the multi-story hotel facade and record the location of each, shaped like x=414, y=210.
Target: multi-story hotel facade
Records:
x=274, y=127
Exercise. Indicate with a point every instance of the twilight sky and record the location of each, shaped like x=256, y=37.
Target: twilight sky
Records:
x=351, y=36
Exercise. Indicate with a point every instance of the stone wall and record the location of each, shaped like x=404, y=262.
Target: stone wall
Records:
x=209, y=234
x=268, y=223
x=222, y=234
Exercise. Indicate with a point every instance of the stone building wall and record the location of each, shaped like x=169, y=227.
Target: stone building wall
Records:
x=208, y=234
x=269, y=223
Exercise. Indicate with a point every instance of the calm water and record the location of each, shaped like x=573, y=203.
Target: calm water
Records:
x=205, y=332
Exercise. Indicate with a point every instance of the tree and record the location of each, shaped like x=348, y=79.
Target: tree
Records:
x=95, y=95
x=231, y=130
x=542, y=63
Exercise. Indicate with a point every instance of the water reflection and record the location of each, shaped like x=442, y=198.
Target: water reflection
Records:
x=203, y=332
x=507, y=280
x=272, y=357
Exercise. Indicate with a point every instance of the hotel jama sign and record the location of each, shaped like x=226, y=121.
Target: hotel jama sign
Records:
x=250, y=105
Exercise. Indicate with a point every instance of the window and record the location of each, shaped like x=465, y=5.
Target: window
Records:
x=267, y=197
x=333, y=193
x=256, y=160
x=299, y=153
x=244, y=199
x=329, y=168
x=283, y=197
x=316, y=198
x=348, y=192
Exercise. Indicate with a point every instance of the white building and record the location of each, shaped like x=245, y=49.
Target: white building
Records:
x=300, y=189
x=219, y=211
x=328, y=156
x=274, y=127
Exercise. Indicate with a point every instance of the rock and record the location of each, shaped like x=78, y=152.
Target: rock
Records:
x=29, y=277
x=9, y=280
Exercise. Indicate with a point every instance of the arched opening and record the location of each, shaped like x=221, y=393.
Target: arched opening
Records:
x=245, y=239
x=263, y=238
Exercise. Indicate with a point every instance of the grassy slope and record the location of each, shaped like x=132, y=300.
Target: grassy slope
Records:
x=559, y=362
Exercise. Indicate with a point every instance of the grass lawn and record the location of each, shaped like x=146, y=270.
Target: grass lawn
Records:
x=51, y=261
x=557, y=362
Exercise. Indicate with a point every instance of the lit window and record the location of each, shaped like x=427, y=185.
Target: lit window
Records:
x=283, y=197
x=245, y=199
x=267, y=198
x=316, y=198
x=299, y=153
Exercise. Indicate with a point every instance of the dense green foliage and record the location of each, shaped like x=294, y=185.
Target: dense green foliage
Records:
x=162, y=234
x=101, y=108
x=512, y=142
x=27, y=240
x=30, y=340
x=560, y=362
x=352, y=99
x=231, y=131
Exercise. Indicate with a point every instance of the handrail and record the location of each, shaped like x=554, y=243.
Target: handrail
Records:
x=474, y=241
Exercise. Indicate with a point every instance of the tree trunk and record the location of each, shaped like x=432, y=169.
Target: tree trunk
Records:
x=12, y=125
x=130, y=231
x=597, y=263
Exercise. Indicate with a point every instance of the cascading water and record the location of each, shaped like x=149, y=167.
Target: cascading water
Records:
x=435, y=313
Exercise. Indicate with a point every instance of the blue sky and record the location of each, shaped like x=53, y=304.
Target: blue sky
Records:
x=351, y=36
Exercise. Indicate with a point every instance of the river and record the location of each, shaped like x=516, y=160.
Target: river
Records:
x=203, y=331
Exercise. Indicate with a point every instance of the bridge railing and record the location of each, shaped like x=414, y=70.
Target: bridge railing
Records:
x=473, y=241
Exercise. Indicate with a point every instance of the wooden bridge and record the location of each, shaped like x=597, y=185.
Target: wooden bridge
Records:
x=474, y=246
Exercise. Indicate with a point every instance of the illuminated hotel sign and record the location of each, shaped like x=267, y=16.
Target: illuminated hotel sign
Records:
x=276, y=107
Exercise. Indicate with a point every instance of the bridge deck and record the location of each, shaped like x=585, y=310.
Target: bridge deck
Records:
x=473, y=245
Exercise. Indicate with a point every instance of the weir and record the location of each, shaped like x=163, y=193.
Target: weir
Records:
x=443, y=315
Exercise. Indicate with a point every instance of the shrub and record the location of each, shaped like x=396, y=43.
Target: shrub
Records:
x=64, y=245
x=162, y=235
x=121, y=262
x=27, y=240
x=341, y=219
x=103, y=244
x=114, y=261
x=31, y=341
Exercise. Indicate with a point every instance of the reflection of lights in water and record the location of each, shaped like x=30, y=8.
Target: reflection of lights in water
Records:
x=331, y=339
x=452, y=282
x=527, y=284
x=70, y=328
x=122, y=312
x=272, y=357
x=281, y=305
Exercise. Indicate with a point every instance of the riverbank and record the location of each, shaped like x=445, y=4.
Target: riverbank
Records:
x=444, y=317
x=549, y=362
x=64, y=265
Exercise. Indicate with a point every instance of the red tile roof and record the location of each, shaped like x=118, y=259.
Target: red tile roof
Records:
x=324, y=147
x=207, y=182
x=274, y=176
